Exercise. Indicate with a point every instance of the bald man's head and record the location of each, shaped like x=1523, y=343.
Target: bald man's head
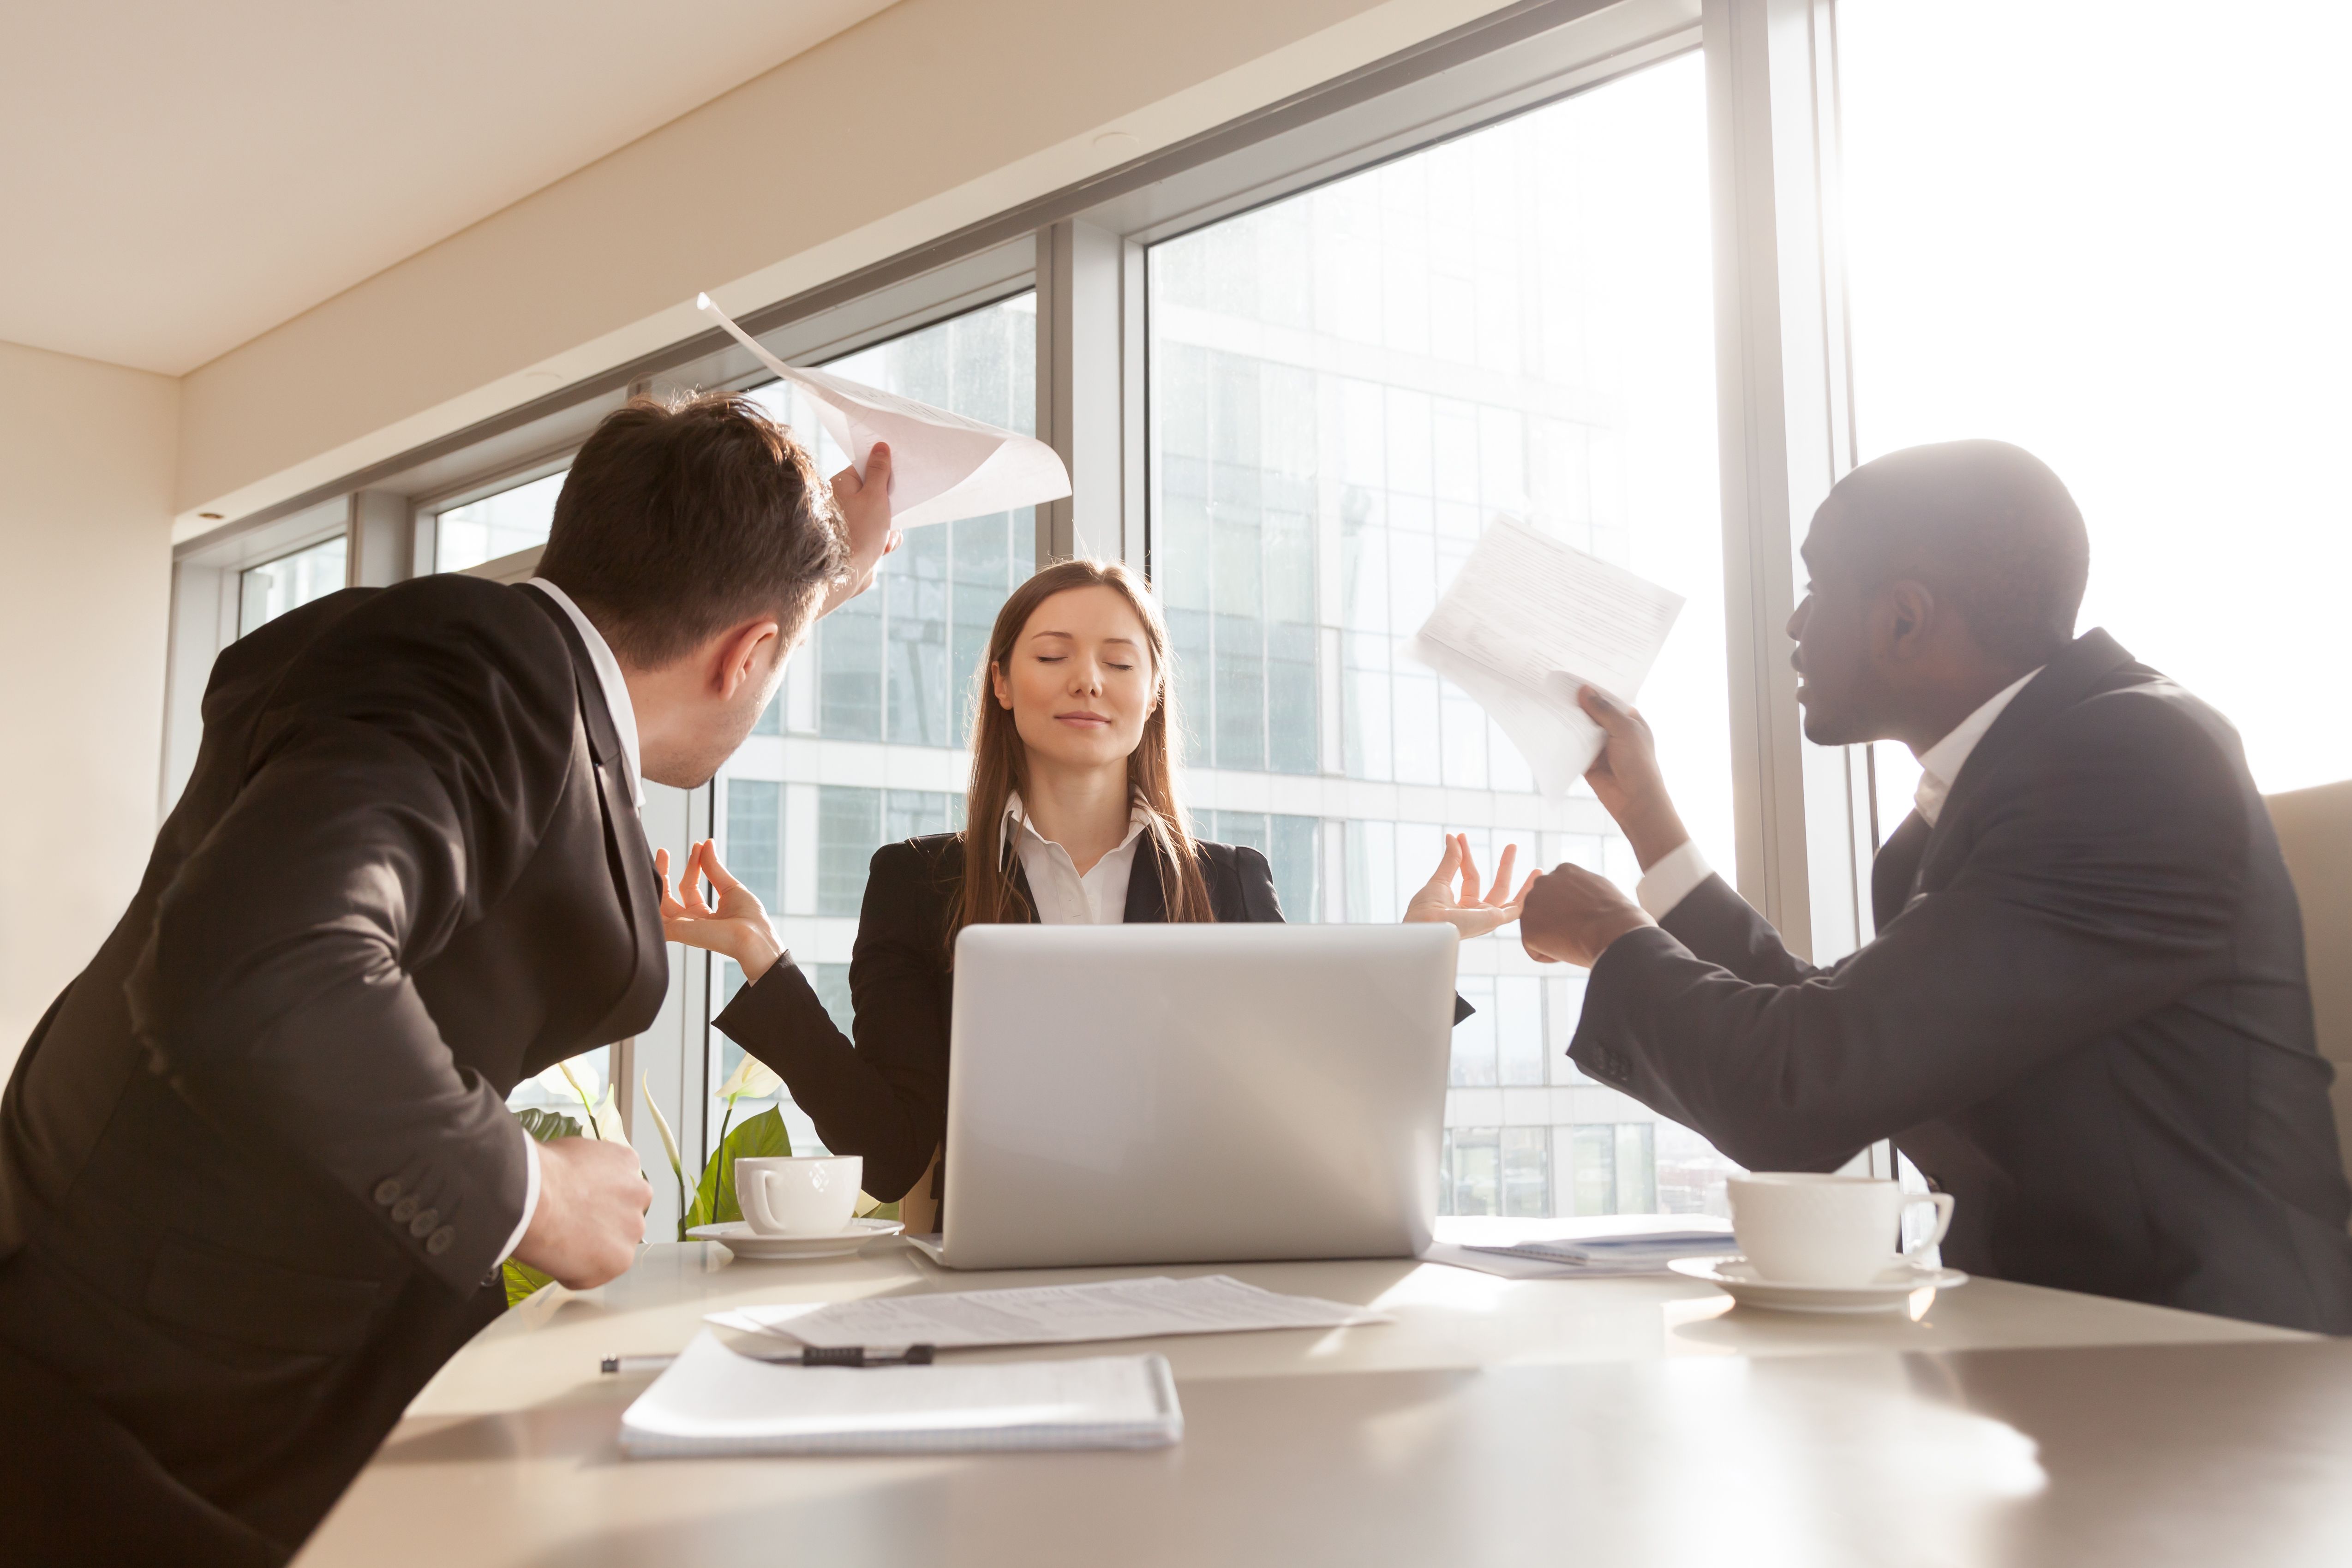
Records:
x=1935, y=570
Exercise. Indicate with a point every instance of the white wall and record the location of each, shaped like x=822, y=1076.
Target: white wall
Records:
x=86, y=468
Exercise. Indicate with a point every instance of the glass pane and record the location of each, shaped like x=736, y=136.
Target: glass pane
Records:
x=1297, y=857
x=266, y=592
x=1527, y=1172
x=1593, y=1169
x=494, y=526
x=849, y=831
x=1472, y=1183
x=1347, y=386
x=885, y=691
x=754, y=841
x=2134, y=268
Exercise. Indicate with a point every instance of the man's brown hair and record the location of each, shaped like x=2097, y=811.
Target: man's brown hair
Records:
x=684, y=516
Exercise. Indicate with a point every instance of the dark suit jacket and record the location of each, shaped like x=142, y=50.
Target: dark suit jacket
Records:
x=256, y=1163
x=2084, y=1016
x=886, y=1098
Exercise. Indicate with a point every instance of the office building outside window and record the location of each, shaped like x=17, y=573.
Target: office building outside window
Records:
x=1347, y=386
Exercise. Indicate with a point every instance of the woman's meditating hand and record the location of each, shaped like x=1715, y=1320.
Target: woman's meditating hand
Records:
x=1453, y=892
x=734, y=923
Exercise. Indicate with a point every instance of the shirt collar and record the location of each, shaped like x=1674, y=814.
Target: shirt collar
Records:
x=609, y=680
x=1940, y=764
x=1139, y=817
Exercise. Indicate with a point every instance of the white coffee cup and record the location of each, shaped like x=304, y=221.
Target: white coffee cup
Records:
x=1804, y=1230
x=799, y=1195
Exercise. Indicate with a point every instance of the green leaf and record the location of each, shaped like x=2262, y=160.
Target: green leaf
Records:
x=544, y=1125
x=714, y=1195
x=522, y=1280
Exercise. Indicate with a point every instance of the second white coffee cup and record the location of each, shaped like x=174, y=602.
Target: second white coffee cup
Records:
x=799, y=1195
x=1801, y=1228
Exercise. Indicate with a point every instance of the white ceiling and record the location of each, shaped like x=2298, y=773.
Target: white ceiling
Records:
x=177, y=178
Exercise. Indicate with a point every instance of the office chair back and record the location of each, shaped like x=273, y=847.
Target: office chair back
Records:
x=2314, y=830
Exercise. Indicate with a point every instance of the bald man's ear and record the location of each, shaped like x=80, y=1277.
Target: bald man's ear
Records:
x=1910, y=616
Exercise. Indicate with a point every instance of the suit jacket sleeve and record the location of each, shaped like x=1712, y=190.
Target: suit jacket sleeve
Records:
x=1260, y=903
x=1719, y=926
x=2102, y=883
x=885, y=1097
x=396, y=785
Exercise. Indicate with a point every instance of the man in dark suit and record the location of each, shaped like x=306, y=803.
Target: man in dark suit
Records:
x=2084, y=1013
x=257, y=1171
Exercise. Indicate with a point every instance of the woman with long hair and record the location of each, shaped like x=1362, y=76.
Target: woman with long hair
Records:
x=1072, y=818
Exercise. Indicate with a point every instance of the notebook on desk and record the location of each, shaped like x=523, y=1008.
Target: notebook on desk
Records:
x=711, y=1401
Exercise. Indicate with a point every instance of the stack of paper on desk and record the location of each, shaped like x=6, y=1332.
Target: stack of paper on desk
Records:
x=1578, y=1249
x=1623, y=1254
x=1526, y=623
x=1049, y=1314
x=711, y=1401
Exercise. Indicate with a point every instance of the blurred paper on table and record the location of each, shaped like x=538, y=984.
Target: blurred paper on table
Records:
x=943, y=467
x=1526, y=623
x=1049, y=1314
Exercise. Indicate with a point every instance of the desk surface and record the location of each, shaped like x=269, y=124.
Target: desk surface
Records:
x=1642, y=1420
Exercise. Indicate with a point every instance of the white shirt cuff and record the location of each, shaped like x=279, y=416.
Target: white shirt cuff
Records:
x=1678, y=873
x=530, y=1193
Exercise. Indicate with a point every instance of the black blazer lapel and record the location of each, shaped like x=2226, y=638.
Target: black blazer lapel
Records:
x=628, y=858
x=1895, y=871
x=1146, y=901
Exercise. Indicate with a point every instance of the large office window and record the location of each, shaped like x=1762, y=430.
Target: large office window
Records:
x=1347, y=387
x=268, y=591
x=2117, y=237
x=864, y=746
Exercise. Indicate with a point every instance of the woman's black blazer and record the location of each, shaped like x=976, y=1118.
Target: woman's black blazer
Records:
x=886, y=1098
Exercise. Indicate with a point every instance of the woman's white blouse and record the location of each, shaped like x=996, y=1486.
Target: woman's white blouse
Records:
x=1064, y=897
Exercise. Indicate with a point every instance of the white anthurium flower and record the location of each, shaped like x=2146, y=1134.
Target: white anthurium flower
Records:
x=751, y=1079
x=608, y=1119
x=669, y=1138
x=579, y=1073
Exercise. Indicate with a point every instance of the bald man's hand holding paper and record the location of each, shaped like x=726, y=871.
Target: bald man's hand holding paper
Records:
x=1528, y=623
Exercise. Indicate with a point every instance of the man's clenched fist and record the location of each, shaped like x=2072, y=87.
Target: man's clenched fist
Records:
x=591, y=1216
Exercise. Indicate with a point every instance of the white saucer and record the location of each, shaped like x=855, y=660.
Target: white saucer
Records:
x=1890, y=1292
x=739, y=1237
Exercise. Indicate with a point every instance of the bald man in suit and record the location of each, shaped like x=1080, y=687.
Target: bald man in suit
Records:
x=2084, y=1013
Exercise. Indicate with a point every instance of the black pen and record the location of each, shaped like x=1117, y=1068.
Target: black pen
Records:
x=812, y=1355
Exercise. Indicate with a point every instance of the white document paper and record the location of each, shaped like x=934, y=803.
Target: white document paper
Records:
x=713, y=1401
x=1049, y=1314
x=1526, y=623
x=943, y=466
x=1574, y=1249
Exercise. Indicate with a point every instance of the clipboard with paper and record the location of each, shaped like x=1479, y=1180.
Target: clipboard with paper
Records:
x=943, y=465
x=1526, y=623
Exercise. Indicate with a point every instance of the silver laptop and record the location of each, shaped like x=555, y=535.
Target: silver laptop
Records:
x=1192, y=1093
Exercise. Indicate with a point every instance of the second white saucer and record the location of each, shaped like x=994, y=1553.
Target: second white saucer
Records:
x=1890, y=1292
x=739, y=1237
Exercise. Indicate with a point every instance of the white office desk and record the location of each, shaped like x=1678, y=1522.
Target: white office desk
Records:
x=1625, y=1421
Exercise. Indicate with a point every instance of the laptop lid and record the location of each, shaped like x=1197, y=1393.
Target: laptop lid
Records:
x=1191, y=1093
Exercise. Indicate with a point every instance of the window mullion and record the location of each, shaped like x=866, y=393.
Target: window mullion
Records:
x=1786, y=436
